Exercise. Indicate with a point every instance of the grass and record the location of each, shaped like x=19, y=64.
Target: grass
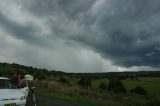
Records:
x=70, y=94
x=131, y=100
x=150, y=84
x=79, y=99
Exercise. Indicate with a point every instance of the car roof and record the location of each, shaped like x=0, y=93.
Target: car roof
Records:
x=4, y=78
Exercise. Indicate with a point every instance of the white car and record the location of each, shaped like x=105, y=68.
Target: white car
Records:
x=10, y=96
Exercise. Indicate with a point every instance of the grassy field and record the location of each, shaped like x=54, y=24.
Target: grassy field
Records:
x=90, y=95
x=151, y=84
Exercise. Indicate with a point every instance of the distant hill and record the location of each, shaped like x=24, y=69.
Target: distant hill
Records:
x=7, y=68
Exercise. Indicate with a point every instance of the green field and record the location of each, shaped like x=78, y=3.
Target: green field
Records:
x=151, y=84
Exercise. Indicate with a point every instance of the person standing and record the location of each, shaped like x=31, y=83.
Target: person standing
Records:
x=15, y=79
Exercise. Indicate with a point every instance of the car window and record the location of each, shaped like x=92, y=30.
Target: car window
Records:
x=5, y=84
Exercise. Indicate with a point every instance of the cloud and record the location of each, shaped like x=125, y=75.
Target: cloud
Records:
x=81, y=35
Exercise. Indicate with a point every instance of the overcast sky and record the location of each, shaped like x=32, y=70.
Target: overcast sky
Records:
x=81, y=35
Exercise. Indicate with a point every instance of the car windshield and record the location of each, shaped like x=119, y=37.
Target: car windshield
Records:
x=5, y=84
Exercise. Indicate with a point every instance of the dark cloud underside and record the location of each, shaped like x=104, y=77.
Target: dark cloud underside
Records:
x=124, y=32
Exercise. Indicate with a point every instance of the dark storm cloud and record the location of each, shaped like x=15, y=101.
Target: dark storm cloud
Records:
x=127, y=31
x=133, y=30
x=17, y=30
x=52, y=7
x=124, y=31
x=130, y=31
x=22, y=32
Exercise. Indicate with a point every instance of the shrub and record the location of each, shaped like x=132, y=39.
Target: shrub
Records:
x=42, y=77
x=64, y=80
x=102, y=86
x=139, y=90
x=85, y=81
x=115, y=85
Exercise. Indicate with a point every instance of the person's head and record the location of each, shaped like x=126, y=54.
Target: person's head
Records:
x=14, y=73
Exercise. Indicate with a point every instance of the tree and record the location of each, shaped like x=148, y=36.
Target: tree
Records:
x=139, y=90
x=85, y=81
x=116, y=86
x=64, y=80
x=102, y=86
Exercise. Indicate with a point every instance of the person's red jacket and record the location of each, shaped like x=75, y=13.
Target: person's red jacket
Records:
x=15, y=80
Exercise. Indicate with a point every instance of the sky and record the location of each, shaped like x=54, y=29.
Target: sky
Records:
x=81, y=35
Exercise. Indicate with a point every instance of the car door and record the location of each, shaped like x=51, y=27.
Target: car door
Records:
x=23, y=87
